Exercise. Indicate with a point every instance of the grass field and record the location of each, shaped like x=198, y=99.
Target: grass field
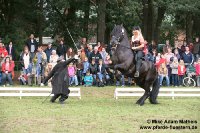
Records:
x=96, y=112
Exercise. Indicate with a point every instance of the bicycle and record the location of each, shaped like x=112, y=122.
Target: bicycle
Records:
x=188, y=81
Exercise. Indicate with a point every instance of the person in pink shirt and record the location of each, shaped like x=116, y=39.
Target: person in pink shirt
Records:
x=197, y=68
x=72, y=74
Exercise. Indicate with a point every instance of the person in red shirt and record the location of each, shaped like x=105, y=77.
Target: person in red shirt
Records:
x=7, y=70
x=3, y=50
x=181, y=71
x=197, y=68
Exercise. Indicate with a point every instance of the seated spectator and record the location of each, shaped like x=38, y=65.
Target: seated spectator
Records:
x=163, y=73
x=95, y=55
x=48, y=69
x=107, y=61
x=88, y=80
x=181, y=71
x=197, y=68
x=23, y=78
x=70, y=53
x=7, y=69
x=72, y=74
x=53, y=58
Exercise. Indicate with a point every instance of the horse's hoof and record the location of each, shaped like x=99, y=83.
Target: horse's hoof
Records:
x=141, y=104
x=153, y=101
x=138, y=102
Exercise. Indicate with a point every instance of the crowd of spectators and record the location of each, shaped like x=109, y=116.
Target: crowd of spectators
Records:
x=172, y=63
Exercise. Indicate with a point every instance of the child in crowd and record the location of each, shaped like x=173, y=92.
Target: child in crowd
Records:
x=174, y=72
x=88, y=79
x=72, y=74
x=23, y=78
x=163, y=73
x=86, y=66
x=181, y=71
x=48, y=69
x=197, y=68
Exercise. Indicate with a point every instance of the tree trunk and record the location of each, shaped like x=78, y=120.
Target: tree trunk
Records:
x=101, y=26
x=145, y=18
x=189, y=26
x=160, y=16
x=40, y=21
x=86, y=18
x=150, y=21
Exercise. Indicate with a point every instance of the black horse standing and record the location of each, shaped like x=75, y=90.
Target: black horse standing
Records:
x=124, y=61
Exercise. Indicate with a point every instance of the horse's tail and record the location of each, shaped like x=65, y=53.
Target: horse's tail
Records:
x=155, y=90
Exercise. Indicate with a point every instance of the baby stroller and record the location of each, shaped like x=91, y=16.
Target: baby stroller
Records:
x=189, y=81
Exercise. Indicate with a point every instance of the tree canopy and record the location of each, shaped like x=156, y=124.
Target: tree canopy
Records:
x=96, y=18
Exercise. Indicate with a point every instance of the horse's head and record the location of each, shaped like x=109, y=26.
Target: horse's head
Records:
x=117, y=34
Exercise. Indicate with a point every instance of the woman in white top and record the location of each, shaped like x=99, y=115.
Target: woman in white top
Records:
x=25, y=60
x=53, y=58
x=137, y=43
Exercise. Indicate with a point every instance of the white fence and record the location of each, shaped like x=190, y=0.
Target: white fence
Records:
x=32, y=91
x=166, y=92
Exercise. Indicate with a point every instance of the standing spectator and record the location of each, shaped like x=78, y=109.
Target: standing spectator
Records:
x=7, y=70
x=88, y=80
x=165, y=48
x=72, y=74
x=32, y=45
x=187, y=57
x=152, y=46
x=90, y=49
x=160, y=61
x=86, y=66
x=41, y=60
x=103, y=53
x=176, y=54
x=197, y=68
x=2, y=59
x=99, y=46
x=79, y=70
x=95, y=55
x=70, y=53
x=183, y=48
x=191, y=47
x=174, y=73
x=3, y=50
x=61, y=49
x=93, y=71
x=181, y=71
x=48, y=51
x=196, y=50
x=163, y=73
x=53, y=58
x=11, y=50
x=81, y=54
x=25, y=60
x=154, y=54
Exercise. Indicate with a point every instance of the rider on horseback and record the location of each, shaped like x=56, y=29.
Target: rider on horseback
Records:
x=137, y=44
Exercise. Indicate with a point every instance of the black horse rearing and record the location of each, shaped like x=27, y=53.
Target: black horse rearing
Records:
x=123, y=60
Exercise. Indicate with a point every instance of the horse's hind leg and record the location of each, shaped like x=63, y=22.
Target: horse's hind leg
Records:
x=145, y=96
